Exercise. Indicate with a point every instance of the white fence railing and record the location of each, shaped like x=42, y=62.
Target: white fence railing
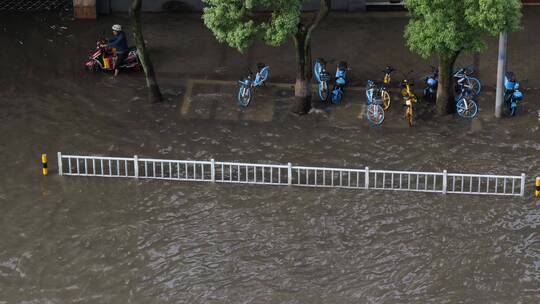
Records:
x=265, y=174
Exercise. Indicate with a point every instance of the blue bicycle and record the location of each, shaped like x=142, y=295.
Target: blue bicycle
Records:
x=512, y=93
x=374, y=110
x=339, y=82
x=466, y=106
x=464, y=79
x=323, y=77
x=246, y=85
x=432, y=82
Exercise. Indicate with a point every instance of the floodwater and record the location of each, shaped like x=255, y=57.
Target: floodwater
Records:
x=92, y=240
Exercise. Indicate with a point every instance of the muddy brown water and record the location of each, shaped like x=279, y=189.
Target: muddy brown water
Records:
x=91, y=240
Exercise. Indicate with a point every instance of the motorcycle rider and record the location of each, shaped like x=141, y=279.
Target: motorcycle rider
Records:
x=120, y=43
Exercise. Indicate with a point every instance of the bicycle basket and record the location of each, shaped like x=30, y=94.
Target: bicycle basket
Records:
x=325, y=77
x=518, y=95
x=340, y=81
x=431, y=82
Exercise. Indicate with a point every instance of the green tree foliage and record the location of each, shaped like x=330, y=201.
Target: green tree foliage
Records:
x=235, y=23
x=232, y=21
x=445, y=28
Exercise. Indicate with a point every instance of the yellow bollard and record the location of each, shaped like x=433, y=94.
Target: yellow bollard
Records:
x=537, y=192
x=45, y=171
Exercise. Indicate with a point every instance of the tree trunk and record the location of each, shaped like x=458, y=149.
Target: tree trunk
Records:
x=154, y=94
x=302, y=87
x=302, y=44
x=445, y=91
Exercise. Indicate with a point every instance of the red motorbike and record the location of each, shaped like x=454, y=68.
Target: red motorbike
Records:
x=103, y=59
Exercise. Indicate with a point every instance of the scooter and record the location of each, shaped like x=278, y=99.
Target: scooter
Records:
x=432, y=81
x=339, y=82
x=103, y=59
x=512, y=93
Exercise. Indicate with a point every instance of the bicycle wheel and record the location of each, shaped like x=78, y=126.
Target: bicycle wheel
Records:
x=375, y=114
x=317, y=70
x=409, y=115
x=264, y=74
x=474, y=85
x=467, y=108
x=513, y=108
x=337, y=94
x=429, y=95
x=323, y=90
x=386, y=99
x=244, y=97
x=404, y=92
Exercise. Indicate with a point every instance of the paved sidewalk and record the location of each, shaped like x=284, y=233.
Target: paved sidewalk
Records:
x=216, y=100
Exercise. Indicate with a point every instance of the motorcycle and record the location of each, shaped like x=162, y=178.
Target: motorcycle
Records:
x=339, y=82
x=103, y=59
x=512, y=93
x=432, y=81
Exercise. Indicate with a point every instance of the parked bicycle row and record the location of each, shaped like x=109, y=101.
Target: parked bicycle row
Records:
x=378, y=97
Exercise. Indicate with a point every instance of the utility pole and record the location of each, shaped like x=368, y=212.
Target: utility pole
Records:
x=501, y=69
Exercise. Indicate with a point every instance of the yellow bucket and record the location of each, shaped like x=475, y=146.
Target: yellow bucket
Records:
x=106, y=63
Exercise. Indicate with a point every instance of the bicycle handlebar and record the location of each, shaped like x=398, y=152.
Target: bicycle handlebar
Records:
x=389, y=69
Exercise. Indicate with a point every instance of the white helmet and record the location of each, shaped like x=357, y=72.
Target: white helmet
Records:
x=117, y=27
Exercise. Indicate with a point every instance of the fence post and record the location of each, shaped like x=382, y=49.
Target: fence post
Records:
x=60, y=170
x=537, y=187
x=366, y=179
x=522, y=184
x=289, y=173
x=444, y=181
x=136, y=166
x=213, y=170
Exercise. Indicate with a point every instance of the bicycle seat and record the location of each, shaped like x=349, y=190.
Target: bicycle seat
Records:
x=260, y=66
x=342, y=65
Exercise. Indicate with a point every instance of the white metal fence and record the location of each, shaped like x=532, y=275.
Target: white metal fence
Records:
x=265, y=174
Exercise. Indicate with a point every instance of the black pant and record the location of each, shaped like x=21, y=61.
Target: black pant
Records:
x=120, y=57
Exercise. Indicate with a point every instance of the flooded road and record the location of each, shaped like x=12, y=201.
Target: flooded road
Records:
x=91, y=240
